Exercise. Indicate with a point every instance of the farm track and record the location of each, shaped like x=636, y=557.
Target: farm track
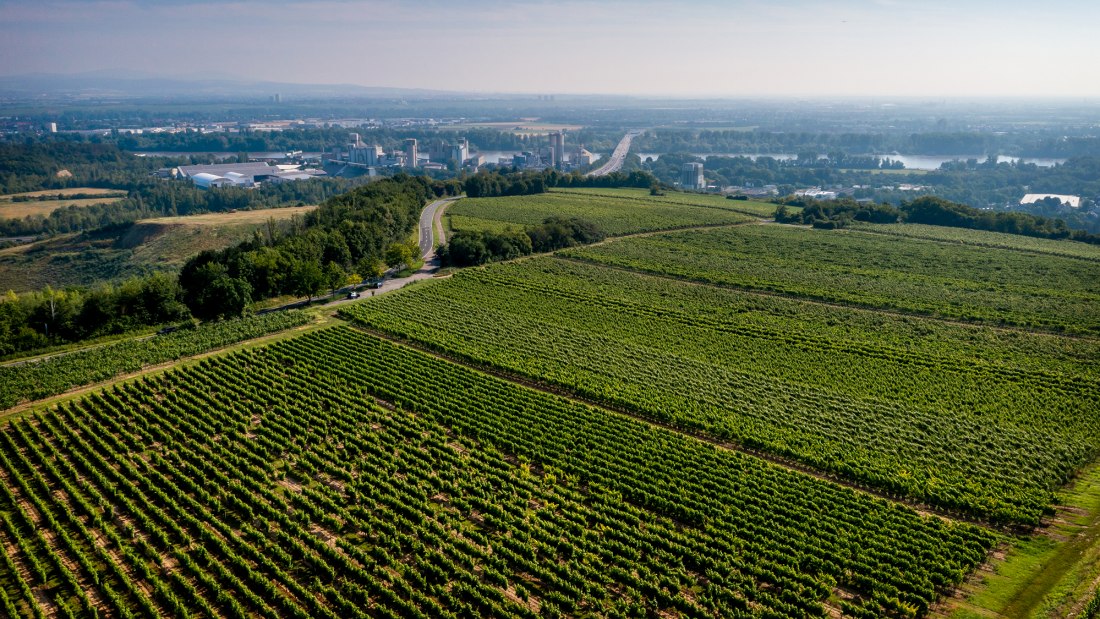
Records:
x=786, y=463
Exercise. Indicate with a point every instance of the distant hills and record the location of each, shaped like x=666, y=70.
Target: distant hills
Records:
x=105, y=84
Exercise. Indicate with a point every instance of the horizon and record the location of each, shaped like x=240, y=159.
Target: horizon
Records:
x=850, y=49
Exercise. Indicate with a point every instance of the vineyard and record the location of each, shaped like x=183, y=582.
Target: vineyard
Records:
x=748, y=207
x=982, y=238
x=338, y=475
x=950, y=280
x=614, y=216
x=968, y=418
x=39, y=379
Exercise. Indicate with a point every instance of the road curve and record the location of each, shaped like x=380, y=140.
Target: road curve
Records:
x=427, y=232
x=615, y=162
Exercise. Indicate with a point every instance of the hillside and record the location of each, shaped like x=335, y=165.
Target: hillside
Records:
x=162, y=243
x=705, y=414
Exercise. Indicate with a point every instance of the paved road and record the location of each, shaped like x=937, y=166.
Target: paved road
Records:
x=429, y=215
x=615, y=162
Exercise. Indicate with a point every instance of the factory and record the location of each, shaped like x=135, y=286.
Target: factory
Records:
x=551, y=156
x=691, y=177
x=245, y=175
x=358, y=157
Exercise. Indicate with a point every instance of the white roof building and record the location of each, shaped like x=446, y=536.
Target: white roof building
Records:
x=206, y=180
x=1032, y=198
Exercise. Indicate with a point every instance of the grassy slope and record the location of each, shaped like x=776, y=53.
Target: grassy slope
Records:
x=1045, y=575
x=155, y=244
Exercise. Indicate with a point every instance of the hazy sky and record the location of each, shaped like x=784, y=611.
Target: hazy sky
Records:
x=700, y=47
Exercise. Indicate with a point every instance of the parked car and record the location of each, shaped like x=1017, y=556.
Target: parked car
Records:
x=353, y=295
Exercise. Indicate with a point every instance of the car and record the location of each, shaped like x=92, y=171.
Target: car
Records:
x=353, y=295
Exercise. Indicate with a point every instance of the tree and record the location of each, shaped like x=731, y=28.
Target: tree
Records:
x=370, y=267
x=334, y=276
x=307, y=279
x=216, y=294
x=401, y=254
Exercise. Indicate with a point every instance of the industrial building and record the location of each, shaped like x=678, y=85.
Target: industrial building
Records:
x=460, y=152
x=410, y=153
x=361, y=154
x=581, y=157
x=557, y=149
x=215, y=175
x=691, y=177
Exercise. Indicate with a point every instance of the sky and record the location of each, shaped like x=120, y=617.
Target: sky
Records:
x=731, y=48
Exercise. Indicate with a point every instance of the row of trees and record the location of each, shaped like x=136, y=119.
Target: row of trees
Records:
x=939, y=212
x=495, y=184
x=474, y=247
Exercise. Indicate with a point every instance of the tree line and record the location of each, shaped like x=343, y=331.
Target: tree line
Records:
x=474, y=247
x=965, y=143
x=516, y=183
x=976, y=183
x=929, y=210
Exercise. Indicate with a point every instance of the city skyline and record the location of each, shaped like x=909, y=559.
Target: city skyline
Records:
x=708, y=49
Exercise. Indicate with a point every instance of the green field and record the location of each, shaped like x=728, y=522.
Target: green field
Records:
x=337, y=475
x=748, y=207
x=949, y=280
x=613, y=215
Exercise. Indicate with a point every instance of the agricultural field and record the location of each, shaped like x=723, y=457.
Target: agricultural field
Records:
x=163, y=243
x=613, y=215
x=35, y=379
x=943, y=279
x=982, y=238
x=967, y=418
x=749, y=207
x=339, y=475
x=738, y=420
